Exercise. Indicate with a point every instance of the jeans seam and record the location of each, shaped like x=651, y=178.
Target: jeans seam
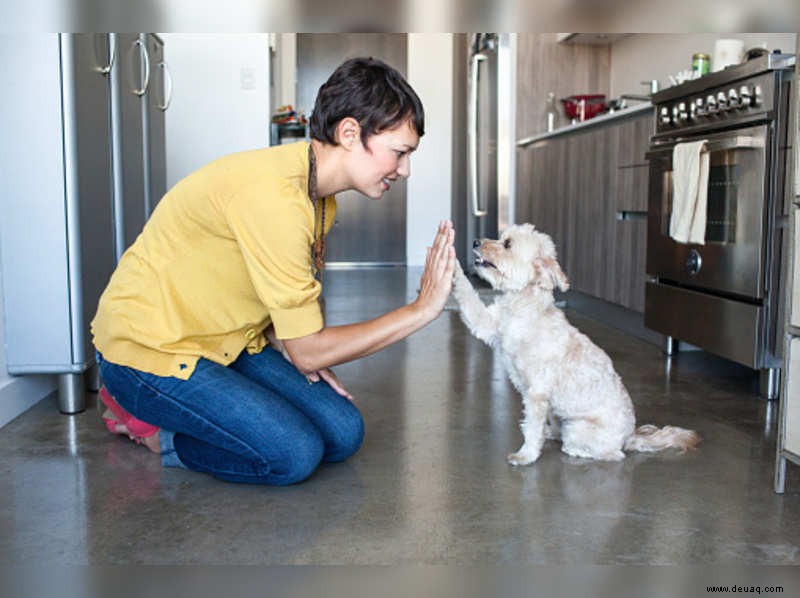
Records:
x=258, y=458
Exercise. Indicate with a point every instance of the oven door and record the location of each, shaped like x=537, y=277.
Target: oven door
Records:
x=730, y=263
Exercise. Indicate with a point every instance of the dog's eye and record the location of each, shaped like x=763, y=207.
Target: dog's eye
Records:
x=507, y=244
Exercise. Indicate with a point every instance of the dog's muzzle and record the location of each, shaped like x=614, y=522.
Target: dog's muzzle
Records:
x=479, y=261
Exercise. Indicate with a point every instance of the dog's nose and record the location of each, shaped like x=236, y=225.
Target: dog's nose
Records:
x=476, y=243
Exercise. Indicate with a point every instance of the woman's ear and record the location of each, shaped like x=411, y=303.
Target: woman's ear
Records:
x=348, y=132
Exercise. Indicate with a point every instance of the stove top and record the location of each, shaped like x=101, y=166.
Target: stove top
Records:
x=736, y=96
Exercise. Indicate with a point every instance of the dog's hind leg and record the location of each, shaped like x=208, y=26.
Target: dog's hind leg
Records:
x=589, y=438
x=532, y=430
x=552, y=426
x=474, y=313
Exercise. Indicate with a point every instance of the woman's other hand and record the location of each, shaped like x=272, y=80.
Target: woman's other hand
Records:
x=329, y=377
x=437, y=279
x=324, y=374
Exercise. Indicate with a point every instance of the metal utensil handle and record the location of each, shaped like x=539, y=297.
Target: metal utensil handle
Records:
x=146, y=61
x=731, y=143
x=167, y=96
x=738, y=142
x=472, y=134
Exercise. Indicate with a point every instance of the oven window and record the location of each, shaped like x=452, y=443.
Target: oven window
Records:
x=721, y=207
x=723, y=182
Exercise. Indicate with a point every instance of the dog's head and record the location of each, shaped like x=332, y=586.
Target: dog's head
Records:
x=522, y=256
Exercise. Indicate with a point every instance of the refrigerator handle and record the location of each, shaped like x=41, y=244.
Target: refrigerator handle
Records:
x=167, y=94
x=146, y=61
x=105, y=69
x=472, y=134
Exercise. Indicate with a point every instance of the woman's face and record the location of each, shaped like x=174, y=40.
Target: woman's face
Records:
x=386, y=157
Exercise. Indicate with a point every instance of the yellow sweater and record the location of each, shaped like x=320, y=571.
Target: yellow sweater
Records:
x=226, y=252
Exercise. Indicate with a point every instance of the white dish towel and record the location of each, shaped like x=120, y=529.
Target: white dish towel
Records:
x=689, y=192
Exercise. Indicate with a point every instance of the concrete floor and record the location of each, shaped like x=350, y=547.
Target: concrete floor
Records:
x=430, y=485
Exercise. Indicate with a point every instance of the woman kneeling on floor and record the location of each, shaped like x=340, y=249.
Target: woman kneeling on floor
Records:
x=210, y=338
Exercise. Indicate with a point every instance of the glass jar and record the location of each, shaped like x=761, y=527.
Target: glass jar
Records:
x=550, y=113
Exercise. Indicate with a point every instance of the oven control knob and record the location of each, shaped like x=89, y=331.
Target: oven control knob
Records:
x=663, y=116
x=694, y=262
x=722, y=101
x=711, y=104
x=733, y=99
x=756, y=96
x=745, y=97
x=681, y=111
x=700, y=108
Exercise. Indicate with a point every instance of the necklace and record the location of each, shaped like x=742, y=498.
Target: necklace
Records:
x=318, y=245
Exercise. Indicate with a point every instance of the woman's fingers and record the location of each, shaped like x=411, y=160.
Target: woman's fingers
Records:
x=329, y=377
x=437, y=278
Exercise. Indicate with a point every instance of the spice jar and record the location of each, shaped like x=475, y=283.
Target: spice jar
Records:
x=701, y=64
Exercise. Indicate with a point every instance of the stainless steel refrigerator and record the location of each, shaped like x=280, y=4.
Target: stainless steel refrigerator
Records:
x=490, y=139
x=72, y=194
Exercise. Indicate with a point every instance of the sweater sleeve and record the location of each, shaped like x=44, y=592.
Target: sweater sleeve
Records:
x=273, y=226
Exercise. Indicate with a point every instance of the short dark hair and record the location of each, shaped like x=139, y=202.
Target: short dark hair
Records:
x=370, y=91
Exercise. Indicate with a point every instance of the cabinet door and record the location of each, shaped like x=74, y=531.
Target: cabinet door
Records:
x=89, y=117
x=629, y=263
x=127, y=83
x=539, y=188
x=589, y=246
x=791, y=397
x=630, y=187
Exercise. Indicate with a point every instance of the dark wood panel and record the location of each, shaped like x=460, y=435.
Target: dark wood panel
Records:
x=544, y=65
x=629, y=259
x=634, y=139
x=630, y=190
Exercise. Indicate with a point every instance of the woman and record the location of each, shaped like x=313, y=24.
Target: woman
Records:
x=230, y=263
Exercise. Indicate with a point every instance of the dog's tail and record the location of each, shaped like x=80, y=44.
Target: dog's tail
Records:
x=649, y=438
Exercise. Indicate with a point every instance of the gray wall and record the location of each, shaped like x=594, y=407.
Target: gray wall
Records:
x=644, y=56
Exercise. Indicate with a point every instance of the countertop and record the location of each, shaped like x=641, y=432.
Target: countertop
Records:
x=597, y=120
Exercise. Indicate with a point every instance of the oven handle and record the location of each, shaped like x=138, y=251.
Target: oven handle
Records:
x=729, y=143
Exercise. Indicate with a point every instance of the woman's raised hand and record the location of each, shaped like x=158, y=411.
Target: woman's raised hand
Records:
x=437, y=279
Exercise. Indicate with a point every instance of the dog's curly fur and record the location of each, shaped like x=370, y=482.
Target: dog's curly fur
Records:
x=568, y=384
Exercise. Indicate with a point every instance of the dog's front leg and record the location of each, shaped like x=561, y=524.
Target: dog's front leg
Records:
x=474, y=313
x=532, y=430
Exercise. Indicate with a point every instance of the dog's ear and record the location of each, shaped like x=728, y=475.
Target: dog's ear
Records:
x=551, y=274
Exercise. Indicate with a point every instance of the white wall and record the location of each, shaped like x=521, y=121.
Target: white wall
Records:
x=430, y=67
x=644, y=56
x=18, y=393
x=221, y=99
x=211, y=115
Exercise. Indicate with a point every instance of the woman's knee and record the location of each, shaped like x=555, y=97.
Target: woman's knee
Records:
x=347, y=438
x=300, y=460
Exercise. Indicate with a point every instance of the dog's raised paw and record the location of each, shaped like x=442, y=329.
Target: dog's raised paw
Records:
x=520, y=458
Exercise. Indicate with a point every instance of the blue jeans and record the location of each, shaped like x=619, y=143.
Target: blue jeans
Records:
x=255, y=421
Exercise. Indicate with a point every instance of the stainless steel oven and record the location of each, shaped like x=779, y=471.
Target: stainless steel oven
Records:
x=722, y=295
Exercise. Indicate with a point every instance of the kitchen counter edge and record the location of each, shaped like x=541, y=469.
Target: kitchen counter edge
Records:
x=597, y=120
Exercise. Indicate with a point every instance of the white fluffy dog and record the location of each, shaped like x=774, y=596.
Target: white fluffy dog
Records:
x=568, y=384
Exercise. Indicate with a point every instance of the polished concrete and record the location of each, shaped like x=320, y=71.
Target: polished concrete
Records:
x=430, y=485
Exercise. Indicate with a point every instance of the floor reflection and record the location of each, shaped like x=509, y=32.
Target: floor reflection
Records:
x=431, y=484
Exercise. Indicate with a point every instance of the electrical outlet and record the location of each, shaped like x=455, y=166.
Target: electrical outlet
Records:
x=247, y=78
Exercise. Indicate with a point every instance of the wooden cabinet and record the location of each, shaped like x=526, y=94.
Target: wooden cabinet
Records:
x=588, y=190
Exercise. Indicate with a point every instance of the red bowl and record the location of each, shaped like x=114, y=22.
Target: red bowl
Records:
x=592, y=106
